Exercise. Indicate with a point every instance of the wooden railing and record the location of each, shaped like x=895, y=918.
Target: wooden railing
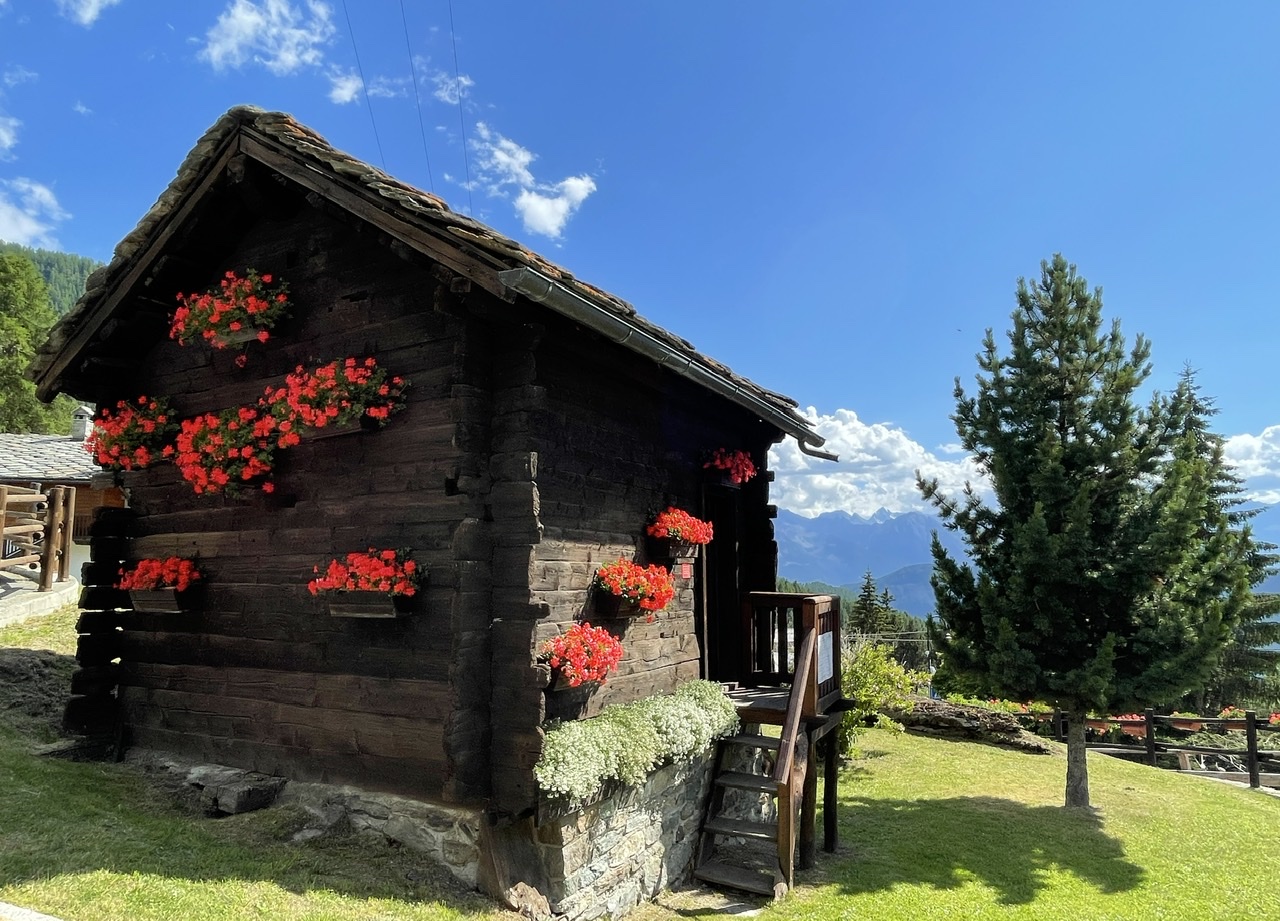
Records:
x=791, y=786
x=775, y=623
x=37, y=530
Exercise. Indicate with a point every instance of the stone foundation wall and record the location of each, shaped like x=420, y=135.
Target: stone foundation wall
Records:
x=609, y=857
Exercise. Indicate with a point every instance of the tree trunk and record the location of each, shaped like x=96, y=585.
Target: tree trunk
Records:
x=1077, y=767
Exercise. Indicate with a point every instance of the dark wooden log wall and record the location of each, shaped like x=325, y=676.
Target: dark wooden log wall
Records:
x=259, y=675
x=615, y=440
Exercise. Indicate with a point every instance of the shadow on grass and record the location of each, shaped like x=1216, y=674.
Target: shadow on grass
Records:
x=1006, y=845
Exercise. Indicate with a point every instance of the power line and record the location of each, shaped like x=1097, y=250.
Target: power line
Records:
x=457, y=85
x=422, y=128
x=364, y=87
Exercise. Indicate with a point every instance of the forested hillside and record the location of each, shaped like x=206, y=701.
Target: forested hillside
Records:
x=64, y=273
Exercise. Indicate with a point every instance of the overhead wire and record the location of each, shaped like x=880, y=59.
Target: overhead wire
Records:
x=457, y=86
x=364, y=87
x=422, y=128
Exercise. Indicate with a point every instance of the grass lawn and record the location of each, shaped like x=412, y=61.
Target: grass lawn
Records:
x=929, y=829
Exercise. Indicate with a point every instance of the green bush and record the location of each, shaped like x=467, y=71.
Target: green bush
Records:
x=875, y=681
x=627, y=741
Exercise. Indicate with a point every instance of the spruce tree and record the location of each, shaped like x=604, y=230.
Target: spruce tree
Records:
x=25, y=319
x=1105, y=572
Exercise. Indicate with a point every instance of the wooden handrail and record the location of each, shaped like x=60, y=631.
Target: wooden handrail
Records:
x=795, y=709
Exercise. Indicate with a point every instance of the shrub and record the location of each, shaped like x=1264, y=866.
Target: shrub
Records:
x=627, y=741
x=875, y=681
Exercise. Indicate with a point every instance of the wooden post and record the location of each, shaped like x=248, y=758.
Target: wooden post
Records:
x=52, y=537
x=809, y=808
x=830, y=794
x=68, y=533
x=1150, y=715
x=1251, y=738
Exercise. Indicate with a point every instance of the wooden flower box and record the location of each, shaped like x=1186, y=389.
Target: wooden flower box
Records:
x=368, y=605
x=156, y=600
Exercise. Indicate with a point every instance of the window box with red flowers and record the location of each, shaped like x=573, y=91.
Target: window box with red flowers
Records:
x=582, y=654
x=157, y=586
x=626, y=587
x=677, y=535
x=334, y=399
x=241, y=309
x=730, y=468
x=375, y=583
x=227, y=452
x=133, y=435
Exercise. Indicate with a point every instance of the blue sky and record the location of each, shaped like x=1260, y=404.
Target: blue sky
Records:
x=836, y=199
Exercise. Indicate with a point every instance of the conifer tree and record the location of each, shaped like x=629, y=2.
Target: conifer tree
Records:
x=1106, y=573
x=25, y=319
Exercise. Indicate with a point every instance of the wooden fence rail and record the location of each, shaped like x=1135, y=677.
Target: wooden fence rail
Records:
x=1151, y=748
x=37, y=531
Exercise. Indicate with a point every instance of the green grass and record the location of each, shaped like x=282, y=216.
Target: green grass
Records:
x=929, y=829
x=941, y=829
x=55, y=631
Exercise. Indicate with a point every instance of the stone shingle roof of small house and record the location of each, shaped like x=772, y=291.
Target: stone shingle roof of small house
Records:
x=466, y=245
x=28, y=459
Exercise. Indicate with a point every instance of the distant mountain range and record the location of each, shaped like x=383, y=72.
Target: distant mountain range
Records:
x=837, y=548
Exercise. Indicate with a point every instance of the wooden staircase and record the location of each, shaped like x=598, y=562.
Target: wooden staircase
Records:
x=760, y=856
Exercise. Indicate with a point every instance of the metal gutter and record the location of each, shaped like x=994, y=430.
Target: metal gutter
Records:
x=543, y=290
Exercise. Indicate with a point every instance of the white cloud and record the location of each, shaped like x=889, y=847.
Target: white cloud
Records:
x=28, y=213
x=547, y=214
x=451, y=90
x=81, y=109
x=274, y=33
x=18, y=74
x=8, y=135
x=344, y=87
x=1257, y=461
x=85, y=12
x=877, y=469
x=544, y=208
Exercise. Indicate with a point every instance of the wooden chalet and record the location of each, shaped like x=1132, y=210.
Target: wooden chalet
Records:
x=546, y=423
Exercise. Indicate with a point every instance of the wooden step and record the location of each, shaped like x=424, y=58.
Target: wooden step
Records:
x=751, y=740
x=741, y=828
x=741, y=781
x=719, y=873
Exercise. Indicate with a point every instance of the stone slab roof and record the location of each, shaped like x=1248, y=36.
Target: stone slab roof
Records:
x=44, y=459
x=275, y=137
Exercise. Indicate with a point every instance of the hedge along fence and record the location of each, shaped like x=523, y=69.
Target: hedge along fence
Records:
x=1144, y=729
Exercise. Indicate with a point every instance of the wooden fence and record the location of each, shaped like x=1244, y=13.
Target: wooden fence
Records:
x=37, y=531
x=1149, y=748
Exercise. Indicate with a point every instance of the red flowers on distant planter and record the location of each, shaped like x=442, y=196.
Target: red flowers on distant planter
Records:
x=223, y=452
x=150, y=574
x=583, y=653
x=334, y=394
x=131, y=436
x=737, y=465
x=388, y=571
x=238, y=310
x=678, y=525
x=649, y=588
x=1232, y=713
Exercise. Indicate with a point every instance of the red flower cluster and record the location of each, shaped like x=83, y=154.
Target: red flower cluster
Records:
x=738, y=464
x=584, y=653
x=1274, y=720
x=387, y=571
x=236, y=304
x=132, y=435
x=147, y=575
x=334, y=394
x=1231, y=713
x=220, y=452
x=648, y=587
x=677, y=524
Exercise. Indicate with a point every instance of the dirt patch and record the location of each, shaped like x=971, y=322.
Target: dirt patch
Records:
x=34, y=691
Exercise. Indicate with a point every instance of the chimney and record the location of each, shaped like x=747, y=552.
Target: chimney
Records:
x=81, y=422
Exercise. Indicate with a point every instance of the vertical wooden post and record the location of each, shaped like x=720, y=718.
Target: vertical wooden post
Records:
x=52, y=537
x=809, y=808
x=68, y=533
x=1150, y=715
x=4, y=512
x=1251, y=738
x=830, y=794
